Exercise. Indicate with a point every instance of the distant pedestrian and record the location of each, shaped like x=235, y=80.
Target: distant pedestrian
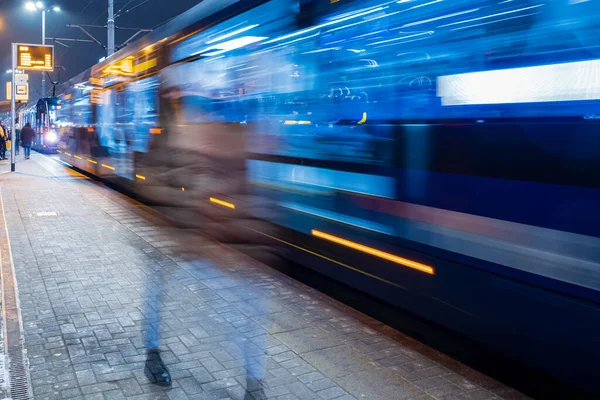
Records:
x=17, y=137
x=3, y=138
x=27, y=135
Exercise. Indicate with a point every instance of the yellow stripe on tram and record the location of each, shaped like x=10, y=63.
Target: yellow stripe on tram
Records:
x=374, y=252
x=222, y=203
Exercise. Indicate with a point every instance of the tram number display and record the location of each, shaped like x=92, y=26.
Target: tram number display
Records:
x=35, y=57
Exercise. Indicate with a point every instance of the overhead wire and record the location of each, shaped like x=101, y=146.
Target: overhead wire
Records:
x=78, y=35
x=118, y=14
x=130, y=9
x=65, y=52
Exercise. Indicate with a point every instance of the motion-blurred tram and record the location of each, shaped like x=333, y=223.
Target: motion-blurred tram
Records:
x=439, y=155
x=43, y=119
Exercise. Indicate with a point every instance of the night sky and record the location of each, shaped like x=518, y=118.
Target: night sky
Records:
x=19, y=25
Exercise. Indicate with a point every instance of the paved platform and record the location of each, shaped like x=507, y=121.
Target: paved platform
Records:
x=83, y=256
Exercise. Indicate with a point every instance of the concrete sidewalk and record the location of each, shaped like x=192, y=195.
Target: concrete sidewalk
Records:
x=82, y=254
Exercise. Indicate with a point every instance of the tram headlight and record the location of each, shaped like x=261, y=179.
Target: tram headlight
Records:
x=51, y=137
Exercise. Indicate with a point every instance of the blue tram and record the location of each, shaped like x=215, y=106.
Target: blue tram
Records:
x=42, y=115
x=439, y=155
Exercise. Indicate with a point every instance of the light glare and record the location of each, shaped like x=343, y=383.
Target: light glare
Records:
x=576, y=81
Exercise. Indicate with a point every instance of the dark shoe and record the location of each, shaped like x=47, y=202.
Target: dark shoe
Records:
x=254, y=390
x=155, y=370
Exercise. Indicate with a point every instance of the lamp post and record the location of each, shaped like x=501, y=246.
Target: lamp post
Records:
x=39, y=6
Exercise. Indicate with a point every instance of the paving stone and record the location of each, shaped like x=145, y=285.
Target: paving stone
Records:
x=86, y=377
x=301, y=391
x=331, y=393
x=317, y=386
x=190, y=385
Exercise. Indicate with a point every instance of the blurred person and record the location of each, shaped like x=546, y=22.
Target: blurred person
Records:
x=209, y=162
x=3, y=138
x=26, y=139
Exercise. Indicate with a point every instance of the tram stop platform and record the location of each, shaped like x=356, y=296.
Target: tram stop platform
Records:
x=77, y=259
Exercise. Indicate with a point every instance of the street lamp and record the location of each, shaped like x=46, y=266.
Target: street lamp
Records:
x=39, y=6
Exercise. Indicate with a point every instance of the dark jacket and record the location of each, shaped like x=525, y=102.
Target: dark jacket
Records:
x=27, y=135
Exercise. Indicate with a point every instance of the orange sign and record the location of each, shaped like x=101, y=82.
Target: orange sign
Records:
x=35, y=57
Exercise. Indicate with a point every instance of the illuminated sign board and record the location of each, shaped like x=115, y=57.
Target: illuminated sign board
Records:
x=35, y=57
x=22, y=88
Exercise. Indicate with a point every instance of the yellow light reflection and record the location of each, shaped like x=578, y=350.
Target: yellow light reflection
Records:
x=109, y=167
x=374, y=252
x=92, y=161
x=292, y=122
x=222, y=203
x=363, y=120
x=142, y=177
x=145, y=66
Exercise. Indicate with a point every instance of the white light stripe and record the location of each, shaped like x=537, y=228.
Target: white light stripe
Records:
x=492, y=22
x=229, y=45
x=321, y=50
x=382, y=16
x=291, y=41
x=365, y=21
x=228, y=35
x=456, y=14
x=314, y=28
x=404, y=42
x=422, y=5
x=401, y=38
x=491, y=16
x=367, y=34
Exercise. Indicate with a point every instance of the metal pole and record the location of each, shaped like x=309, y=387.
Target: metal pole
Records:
x=13, y=108
x=43, y=43
x=111, y=27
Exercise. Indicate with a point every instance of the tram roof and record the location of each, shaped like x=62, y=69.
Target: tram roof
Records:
x=192, y=19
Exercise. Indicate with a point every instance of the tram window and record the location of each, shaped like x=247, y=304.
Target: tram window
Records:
x=106, y=118
x=82, y=111
x=143, y=95
x=219, y=86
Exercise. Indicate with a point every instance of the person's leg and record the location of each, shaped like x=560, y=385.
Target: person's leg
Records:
x=155, y=370
x=254, y=354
